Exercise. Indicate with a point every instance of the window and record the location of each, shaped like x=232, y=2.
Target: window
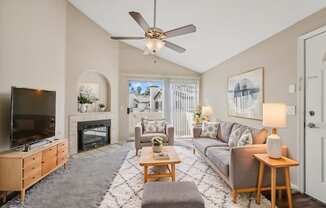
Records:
x=146, y=96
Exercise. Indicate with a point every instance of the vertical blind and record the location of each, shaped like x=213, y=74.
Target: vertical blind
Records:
x=184, y=99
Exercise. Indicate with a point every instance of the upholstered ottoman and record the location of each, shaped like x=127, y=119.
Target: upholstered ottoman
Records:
x=171, y=195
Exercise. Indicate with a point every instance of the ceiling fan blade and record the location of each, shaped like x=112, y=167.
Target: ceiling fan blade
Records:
x=140, y=20
x=126, y=38
x=181, y=31
x=174, y=47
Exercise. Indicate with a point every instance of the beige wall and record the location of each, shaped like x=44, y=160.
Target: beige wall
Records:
x=89, y=48
x=278, y=55
x=32, y=53
x=134, y=64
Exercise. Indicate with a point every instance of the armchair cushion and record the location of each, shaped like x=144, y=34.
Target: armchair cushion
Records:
x=147, y=137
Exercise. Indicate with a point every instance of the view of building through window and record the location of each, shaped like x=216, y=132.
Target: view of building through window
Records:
x=145, y=96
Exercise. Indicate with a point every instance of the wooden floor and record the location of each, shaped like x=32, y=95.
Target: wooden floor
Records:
x=299, y=201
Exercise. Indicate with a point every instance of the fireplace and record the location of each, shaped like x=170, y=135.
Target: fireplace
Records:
x=93, y=134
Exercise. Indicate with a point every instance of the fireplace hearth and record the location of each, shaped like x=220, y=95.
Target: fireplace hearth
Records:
x=93, y=134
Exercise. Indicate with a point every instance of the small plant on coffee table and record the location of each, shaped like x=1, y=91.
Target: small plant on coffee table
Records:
x=157, y=144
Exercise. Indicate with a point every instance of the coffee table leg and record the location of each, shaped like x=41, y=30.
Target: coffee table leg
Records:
x=145, y=173
x=173, y=172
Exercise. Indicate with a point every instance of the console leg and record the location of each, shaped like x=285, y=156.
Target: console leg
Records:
x=22, y=196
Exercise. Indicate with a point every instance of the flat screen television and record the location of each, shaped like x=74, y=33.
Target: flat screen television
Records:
x=32, y=115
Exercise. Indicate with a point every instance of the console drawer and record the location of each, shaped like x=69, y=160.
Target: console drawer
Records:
x=32, y=177
x=62, y=152
x=62, y=159
x=50, y=152
x=62, y=146
x=33, y=160
x=48, y=165
x=31, y=169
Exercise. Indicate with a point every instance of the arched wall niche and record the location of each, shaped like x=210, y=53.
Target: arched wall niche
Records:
x=97, y=86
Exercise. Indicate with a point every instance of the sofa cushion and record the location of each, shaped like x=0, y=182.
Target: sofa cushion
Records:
x=209, y=129
x=203, y=143
x=220, y=157
x=145, y=138
x=224, y=131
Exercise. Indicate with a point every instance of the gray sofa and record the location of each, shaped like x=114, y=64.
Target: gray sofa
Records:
x=235, y=165
x=145, y=139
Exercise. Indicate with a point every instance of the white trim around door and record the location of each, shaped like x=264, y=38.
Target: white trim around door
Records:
x=301, y=104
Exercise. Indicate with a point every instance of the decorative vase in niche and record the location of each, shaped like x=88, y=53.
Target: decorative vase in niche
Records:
x=157, y=148
x=83, y=108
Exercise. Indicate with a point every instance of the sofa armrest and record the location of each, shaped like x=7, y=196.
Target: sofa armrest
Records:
x=196, y=132
x=244, y=167
x=170, y=134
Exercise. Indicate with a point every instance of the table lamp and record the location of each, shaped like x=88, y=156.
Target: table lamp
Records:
x=274, y=116
x=206, y=111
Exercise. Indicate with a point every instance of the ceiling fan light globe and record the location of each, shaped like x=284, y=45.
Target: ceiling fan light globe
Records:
x=154, y=44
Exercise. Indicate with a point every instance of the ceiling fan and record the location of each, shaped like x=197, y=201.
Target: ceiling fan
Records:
x=155, y=37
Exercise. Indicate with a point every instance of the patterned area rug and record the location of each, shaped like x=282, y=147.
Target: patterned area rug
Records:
x=127, y=187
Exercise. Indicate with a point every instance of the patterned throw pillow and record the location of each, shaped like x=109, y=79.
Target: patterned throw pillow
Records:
x=154, y=126
x=150, y=126
x=209, y=129
x=160, y=126
x=245, y=139
x=234, y=137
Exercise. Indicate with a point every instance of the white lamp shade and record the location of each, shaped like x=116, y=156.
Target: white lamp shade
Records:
x=275, y=115
x=207, y=110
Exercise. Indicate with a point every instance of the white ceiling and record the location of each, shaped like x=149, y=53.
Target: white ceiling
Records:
x=224, y=27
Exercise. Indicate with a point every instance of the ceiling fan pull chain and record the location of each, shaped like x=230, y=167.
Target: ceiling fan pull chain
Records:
x=154, y=13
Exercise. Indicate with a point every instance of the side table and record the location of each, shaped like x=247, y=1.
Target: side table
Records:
x=274, y=164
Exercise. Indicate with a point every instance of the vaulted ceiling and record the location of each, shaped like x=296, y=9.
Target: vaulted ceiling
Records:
x=224, y=27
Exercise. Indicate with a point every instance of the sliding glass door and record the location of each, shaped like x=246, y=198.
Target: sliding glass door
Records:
x=184, y=97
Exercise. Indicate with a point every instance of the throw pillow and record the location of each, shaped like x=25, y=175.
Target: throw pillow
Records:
x=224, y=131
x=234, y=137
x=209, y=129
x=160, y=126
x=150, y=126
x=245, y=138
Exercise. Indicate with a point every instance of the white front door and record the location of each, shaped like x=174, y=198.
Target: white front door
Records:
x=315, y=138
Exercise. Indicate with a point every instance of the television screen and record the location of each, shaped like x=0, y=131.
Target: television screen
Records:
x=32, y=115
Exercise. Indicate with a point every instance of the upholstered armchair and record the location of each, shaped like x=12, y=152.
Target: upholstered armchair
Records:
x=143, y=139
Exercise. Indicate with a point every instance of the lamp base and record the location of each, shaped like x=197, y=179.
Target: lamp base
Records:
x=274, y=146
